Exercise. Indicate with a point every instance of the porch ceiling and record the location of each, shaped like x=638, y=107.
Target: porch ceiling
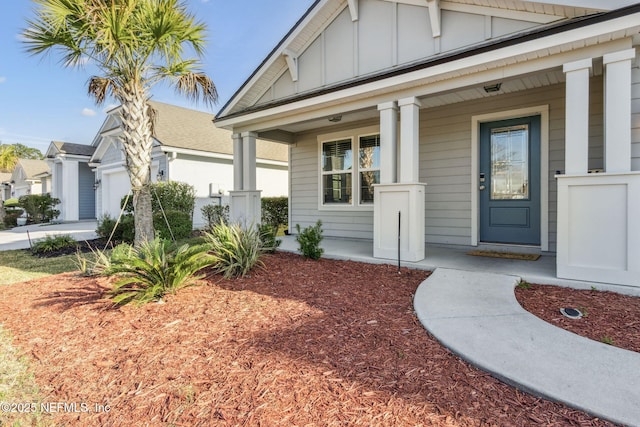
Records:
x=521, y=83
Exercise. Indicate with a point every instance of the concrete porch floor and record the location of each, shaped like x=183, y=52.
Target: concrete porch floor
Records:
x=542, y=271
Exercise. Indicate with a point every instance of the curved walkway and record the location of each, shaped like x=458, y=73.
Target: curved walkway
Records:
x=477, y=316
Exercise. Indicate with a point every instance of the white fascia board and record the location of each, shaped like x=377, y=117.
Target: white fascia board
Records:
x=274, y=57
x=413, y=78
x=593, y=4
x=353, y=9
x=500, y=13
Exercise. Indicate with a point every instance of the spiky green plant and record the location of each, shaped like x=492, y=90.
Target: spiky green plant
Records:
x=154, y=269
x=235, y=249
x=53, y=243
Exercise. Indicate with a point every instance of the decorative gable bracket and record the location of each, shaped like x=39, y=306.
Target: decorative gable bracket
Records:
x=434, y=11
x=292, y=63
x=353, y=9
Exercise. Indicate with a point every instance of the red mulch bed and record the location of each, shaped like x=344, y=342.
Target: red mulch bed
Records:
x=300, y=343
x=606, y=315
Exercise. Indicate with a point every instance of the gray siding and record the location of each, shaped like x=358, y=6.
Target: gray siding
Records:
x=86, y=193
x=112, y=155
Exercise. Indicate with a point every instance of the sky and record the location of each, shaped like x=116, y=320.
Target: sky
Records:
x=41, y=101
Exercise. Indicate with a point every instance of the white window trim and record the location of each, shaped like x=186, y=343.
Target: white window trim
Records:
x=354, y=135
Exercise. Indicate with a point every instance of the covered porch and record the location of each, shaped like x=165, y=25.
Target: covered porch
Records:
x=432, y=181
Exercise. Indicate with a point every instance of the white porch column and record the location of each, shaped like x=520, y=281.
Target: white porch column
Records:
x=399, y=207
x=249, y=160
x=617, y=110
x=237, y=162
x=409, y=139
x=577, y=117
x=388, y=142
x=69, y=199
x=245, y=204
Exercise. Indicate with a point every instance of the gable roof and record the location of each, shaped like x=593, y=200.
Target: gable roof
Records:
x=322, y=12
x=32, y=168
x=187, y=129
x=70, y=149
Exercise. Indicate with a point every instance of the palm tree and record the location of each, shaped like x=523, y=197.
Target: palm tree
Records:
x=135, y=44
x=10, y=153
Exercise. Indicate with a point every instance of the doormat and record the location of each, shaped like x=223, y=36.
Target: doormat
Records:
x=507, y=255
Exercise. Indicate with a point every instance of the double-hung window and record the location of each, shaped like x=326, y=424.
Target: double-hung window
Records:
x=350, y=166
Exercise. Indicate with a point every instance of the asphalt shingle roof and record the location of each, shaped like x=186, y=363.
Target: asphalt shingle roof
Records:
x=74, y=149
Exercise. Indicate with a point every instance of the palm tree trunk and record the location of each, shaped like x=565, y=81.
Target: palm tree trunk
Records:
x=137, y=124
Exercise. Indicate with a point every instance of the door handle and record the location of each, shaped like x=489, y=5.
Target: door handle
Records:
x=482, y=187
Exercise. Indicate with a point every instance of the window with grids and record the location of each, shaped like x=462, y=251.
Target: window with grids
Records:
x=345, y=178
x=337, y=172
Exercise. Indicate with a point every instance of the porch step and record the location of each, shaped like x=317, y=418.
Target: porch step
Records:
x=477, y=316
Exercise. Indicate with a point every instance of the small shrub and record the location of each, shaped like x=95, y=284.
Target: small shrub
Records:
x=309, y=240
x=124, y=233
x=154, y=269
x=235, y=250
x=524, y=284
x=40, y=207
x=96, y=263
x=607, y=340
x=275, y=211
x=11, y=217
x=53, y=243
x=214, y=214
x=180, y=222
x=268, y=238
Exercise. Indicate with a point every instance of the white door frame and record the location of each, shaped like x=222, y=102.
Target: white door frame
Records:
x=543, y=112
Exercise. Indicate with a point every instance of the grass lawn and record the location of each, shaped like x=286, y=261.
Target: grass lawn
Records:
x=20, y=266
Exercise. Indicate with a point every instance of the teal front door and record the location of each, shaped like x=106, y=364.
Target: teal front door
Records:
x=510, y=181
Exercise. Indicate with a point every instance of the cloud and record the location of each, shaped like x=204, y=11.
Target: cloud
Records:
x=3, y=79
x=88, y=112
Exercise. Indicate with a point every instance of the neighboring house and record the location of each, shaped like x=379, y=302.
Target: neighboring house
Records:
x=470, y=122
x=187, y=148
x=72, y=180
x=5, y=186
x=30, y=177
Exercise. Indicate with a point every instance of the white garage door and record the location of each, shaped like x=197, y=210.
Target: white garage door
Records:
x=114, y=187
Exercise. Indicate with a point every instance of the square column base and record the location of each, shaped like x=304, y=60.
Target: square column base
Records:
x=599, y=228
x=245, y=207
x=398, y=221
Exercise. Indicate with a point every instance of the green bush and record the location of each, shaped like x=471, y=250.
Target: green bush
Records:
x=154, y=269
x=11, y=216
x=40, y=207
x=97, y=263
x=179, y=221
x=235, y=250
x=214, y=214
x=275, y=211
x=309, y=240
x=53, y=243
x=11, y=203
x=172, y=195
x=124, y=233
x=268, y=238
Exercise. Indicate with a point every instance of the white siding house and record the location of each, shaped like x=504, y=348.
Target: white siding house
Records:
x=30, y=177
x=511, y=123
x=187, y=148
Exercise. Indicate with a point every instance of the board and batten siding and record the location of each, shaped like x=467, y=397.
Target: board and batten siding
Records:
x=445, y=165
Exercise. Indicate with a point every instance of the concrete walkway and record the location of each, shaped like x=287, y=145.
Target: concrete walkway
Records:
x=18, y=238
x=468, y=304
x=476, y=316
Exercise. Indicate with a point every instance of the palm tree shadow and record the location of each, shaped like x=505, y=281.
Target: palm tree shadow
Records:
x=89, y=293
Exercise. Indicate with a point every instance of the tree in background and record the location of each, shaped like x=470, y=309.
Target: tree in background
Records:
x=10, y=153
x=135, y=44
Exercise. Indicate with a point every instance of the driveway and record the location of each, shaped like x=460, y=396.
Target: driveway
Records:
x=18, y=237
